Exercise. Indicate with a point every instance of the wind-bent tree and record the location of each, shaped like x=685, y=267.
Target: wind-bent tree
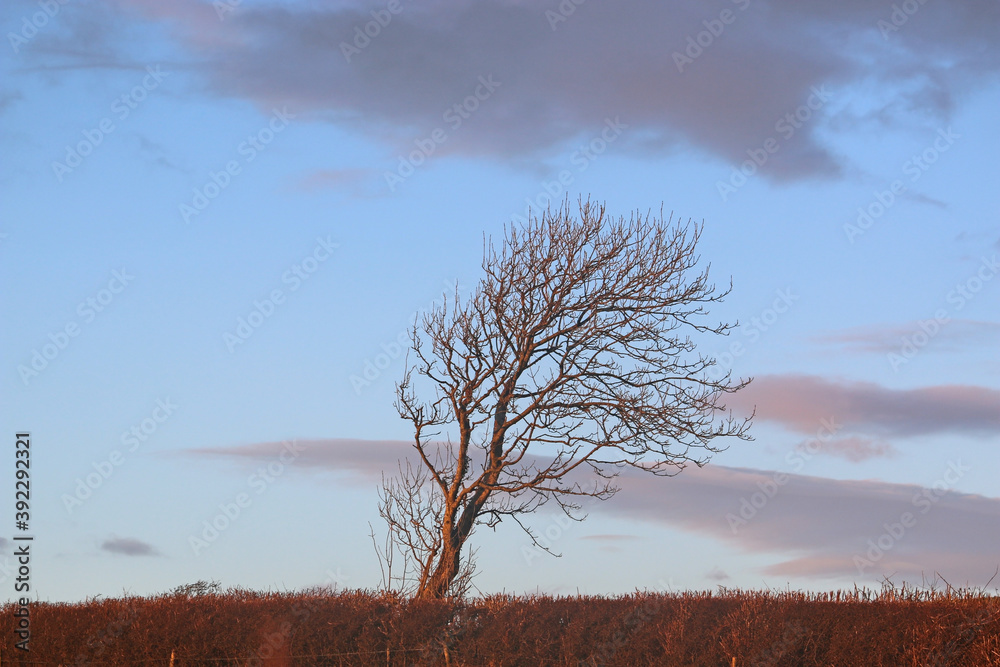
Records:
x=572, y=356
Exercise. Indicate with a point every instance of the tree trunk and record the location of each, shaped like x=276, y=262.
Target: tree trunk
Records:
x=449, y=564
x=438, y=584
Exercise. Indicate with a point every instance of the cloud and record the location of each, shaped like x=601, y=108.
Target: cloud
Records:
x=800, y=402
x=610, y=538
x=716, y=574
x=356, y=182
x=611, y=543
x=854, y=449
x=128, y=547
x=815, y=527
x=8, y=98
x=952, y=335
x=155, y=153
x=367, y=458
x=559, y=81
x=924, y=199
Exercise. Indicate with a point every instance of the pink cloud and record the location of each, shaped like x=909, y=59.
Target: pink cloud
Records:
x=799, y=402
x=817, y=526
x=812, y=526
x=367, y=458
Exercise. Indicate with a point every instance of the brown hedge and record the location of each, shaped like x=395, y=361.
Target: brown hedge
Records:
x=319, y=627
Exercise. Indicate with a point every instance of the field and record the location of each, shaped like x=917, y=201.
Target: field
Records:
x=890, y=627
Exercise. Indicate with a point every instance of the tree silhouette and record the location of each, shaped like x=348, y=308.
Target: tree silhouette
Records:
x=572, y=359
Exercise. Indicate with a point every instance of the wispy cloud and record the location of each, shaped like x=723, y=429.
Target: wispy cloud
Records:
x=8, y=98
x=356, y=182
x=155, y=153
x=855, y=449
x=610, y=538
x=368, y=458
x=952, y=335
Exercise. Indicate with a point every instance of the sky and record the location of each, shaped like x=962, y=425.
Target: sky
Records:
x=218, y=220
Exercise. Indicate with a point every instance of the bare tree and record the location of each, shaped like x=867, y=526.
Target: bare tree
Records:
x=572, y=359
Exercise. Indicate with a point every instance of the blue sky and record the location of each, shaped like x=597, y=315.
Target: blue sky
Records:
x=169, y=169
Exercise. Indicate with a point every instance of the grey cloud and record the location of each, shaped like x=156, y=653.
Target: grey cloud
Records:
x=817, y=526
x=128, y=547
x=607, y=60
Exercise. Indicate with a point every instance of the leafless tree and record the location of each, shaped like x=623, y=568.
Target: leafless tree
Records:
x=572, y=359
